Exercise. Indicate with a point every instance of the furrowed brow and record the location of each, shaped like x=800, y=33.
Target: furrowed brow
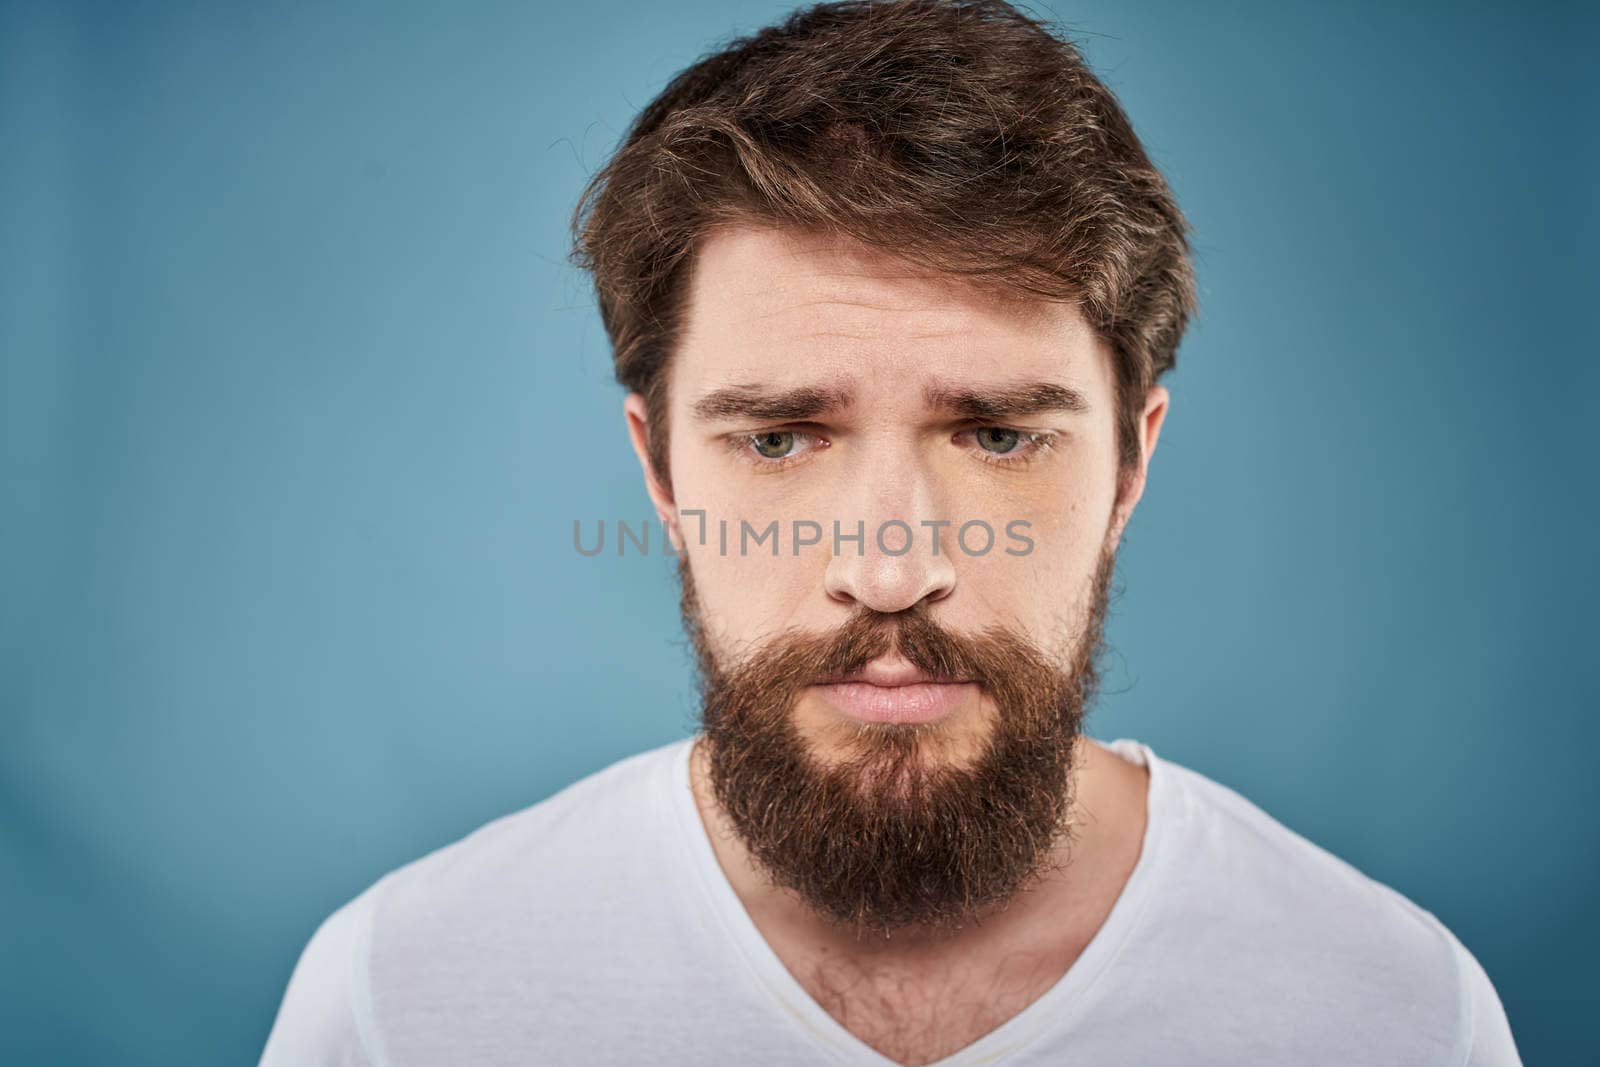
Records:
x=766, y=405
x=1029, y=398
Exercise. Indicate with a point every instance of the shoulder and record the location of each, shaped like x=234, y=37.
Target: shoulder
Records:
x=524, y=873
x=598, y=821
x=323, y=1018
x=1292, y=922
x=1229, y=841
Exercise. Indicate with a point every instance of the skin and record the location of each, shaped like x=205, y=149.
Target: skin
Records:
x=781, y=310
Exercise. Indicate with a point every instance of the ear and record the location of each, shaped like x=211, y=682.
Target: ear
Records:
x=1154, y=414
x=634, y=410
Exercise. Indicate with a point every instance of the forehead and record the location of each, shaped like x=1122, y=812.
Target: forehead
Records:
x=783, y=306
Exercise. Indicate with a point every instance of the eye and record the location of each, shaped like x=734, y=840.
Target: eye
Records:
x=771, y=450
x=1003, y=446
x=998, y=440
x=774, y=444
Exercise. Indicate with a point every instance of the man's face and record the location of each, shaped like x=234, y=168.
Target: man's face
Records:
x=905, y=700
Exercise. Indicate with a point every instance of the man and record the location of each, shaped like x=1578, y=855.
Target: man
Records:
x=890, y=286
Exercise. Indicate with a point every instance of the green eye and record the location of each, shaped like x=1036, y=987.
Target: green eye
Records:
x=998, y=439
x=774, y=444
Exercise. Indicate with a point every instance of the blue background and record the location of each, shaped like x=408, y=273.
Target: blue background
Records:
x=300, y=400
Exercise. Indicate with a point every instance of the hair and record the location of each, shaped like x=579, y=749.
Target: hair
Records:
x=959, y=135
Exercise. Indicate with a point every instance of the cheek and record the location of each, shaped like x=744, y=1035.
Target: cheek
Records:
x=741, y=539
x=1021, y=592
x=1066, y=539
x=749, y=595
x=1053, y=554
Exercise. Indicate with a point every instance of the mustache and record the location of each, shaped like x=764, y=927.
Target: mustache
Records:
x=794, y=660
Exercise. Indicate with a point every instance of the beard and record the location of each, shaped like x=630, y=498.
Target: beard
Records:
x=890, y=834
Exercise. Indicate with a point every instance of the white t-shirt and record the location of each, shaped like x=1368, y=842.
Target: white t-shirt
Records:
x=597, y=928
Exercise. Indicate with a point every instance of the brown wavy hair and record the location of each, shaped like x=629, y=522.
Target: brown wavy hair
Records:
x=961, y=135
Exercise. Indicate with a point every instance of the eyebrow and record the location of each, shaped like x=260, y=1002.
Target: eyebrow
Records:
x=754, y=402
x=810, y=402
x=1027, y=398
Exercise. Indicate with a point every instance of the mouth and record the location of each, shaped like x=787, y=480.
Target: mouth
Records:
x=895, y=691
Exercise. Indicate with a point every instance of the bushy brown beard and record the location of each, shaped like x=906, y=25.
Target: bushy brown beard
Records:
x=891, y=835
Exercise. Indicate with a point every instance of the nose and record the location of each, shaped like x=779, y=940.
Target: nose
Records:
x=890, y=580
x=890, y=557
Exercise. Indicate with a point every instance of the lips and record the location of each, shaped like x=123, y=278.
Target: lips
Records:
x=895, y=691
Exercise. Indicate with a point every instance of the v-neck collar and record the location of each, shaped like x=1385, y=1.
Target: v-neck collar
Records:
x=1054, y=1010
